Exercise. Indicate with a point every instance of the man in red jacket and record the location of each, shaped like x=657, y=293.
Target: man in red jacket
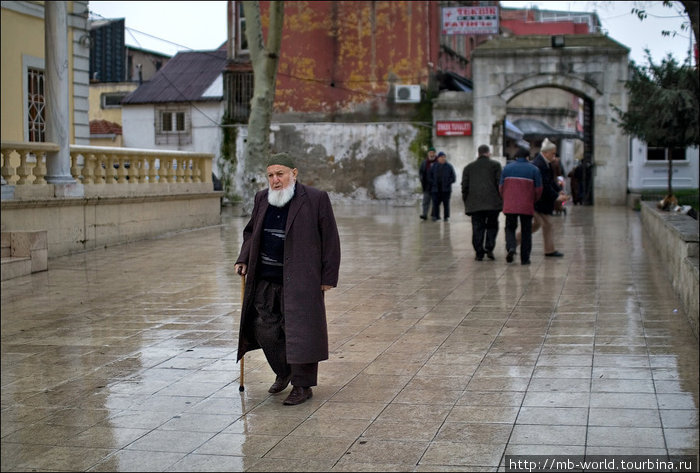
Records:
x=521, y=187
x=291, y=257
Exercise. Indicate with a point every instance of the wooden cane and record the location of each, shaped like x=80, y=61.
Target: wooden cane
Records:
x=241, y=386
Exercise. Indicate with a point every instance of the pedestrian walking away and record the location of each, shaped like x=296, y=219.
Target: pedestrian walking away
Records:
x=424, y=174
x=290, y=256
x=442, y=176
x=482, y=201
x=521, y=187
x=551, y=193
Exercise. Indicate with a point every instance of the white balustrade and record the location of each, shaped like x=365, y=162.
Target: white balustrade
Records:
x=24, y=163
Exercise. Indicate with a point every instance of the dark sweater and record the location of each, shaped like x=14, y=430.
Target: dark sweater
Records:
x=272, y=244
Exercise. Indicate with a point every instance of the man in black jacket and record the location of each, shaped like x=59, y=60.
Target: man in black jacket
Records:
x=442, y=176
x=551, y=193
x=482, y=201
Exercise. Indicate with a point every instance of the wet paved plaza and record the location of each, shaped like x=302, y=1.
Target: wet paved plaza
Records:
x=123, y=359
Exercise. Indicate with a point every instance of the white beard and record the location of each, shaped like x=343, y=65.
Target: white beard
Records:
x=281, y=197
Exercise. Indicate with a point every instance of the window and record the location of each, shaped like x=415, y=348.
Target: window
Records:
x=172, y=122
x=33, y=98
x=241, y=93
x=180, y=121
x=173, y=127
x=112, y=99
x=166, y=122
x=36, y=105
x=655, y=153
x=242, y=40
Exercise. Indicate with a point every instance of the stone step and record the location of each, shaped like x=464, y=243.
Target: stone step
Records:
x=14, y=267
x=23, y=253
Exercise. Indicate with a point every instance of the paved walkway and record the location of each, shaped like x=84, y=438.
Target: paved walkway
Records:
x=123, y=359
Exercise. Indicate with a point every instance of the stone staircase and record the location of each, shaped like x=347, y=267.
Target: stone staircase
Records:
x=23, y=253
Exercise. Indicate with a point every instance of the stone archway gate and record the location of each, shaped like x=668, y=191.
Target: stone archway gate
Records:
x=594, y=67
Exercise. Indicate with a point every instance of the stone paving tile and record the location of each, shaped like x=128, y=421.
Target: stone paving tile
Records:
x=124, y=358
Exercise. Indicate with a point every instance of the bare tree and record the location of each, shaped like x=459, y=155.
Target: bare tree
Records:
x=264, y=58
x=691, y=9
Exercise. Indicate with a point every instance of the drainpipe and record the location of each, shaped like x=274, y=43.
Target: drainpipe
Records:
x=230, y=30
x=57, y=92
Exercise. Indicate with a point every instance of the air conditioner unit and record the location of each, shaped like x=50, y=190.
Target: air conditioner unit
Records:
x=407, y=93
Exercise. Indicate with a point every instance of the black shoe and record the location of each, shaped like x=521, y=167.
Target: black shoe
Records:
x=423, y=217
x=555, y=254
x=489, y=254
x=280, y=384
x=527, y=261
x=447, y=220
x=297, y=396
x=479, y=258
x=509, y=257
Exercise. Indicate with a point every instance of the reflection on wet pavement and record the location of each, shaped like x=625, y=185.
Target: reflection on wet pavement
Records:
x=123, y=359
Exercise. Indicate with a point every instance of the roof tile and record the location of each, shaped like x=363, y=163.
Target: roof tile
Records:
x=184, y=78
x=104, y=127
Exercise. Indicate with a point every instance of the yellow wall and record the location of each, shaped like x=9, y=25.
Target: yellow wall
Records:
x=109, y=114
x=23, y=34
x=15, y=43
x=118, y=141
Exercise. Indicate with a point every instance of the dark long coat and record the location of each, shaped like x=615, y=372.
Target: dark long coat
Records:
x=311, y=259
x=550, y=188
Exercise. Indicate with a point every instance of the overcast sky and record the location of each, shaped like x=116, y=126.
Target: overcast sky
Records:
x=169, y=27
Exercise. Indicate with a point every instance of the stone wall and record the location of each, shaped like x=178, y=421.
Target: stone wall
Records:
x=351, y=161
x=79, y=224
x=675, y=236
x=593, y=67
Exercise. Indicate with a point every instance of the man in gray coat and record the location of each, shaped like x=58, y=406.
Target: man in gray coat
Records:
x=482, y=201
x=290, y=256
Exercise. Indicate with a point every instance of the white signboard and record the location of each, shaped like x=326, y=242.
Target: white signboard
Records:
x=470, y=20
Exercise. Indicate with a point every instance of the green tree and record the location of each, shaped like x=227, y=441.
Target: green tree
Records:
x=265, y=59
x=663, y=106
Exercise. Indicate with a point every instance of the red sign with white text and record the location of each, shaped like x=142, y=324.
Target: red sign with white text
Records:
x=453, y=128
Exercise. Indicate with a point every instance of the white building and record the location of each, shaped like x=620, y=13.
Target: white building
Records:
x=180, y=108
x=648, y=168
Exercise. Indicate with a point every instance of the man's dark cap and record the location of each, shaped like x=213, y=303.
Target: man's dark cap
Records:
x=282, y=159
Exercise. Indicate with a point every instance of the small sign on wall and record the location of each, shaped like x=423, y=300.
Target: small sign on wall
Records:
x=470, y=20
x=453, y=128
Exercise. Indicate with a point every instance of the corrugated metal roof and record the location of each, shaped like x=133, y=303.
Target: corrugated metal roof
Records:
x=184, y=78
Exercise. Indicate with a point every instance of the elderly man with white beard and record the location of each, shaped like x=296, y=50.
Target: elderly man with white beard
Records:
x=290, y=257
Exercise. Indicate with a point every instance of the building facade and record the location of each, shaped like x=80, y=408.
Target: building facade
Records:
x=23, y=72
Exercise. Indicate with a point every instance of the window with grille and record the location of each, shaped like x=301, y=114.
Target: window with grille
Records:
x=173, y=127
x=241, y=86
x=36, y=105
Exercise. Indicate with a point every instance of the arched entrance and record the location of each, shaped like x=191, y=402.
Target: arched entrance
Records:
x=591, y=66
